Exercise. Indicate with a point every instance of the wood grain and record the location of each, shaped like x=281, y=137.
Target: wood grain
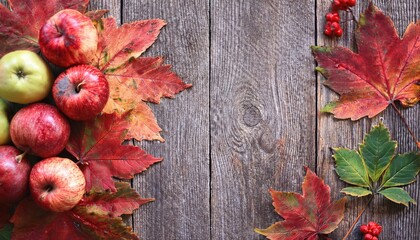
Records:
x=181, y=183
x=263, y=95
x=251, y=121
x=339, y=133
x=114, y=7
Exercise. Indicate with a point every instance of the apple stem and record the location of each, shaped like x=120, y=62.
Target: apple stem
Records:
x=79, y=86
x=81, y=162
x=21, y=156
x=43, y=195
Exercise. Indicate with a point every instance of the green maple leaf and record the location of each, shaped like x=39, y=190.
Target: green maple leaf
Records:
x=376, y=169
x=6, y=232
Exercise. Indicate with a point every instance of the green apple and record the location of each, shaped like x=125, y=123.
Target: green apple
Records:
x=24, y=77
x=4, y=123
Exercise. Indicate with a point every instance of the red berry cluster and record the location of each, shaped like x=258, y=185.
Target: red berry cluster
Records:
x=371, y=230
x=342, y=4
x=332, y=27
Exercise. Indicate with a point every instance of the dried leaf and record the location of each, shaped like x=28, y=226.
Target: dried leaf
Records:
x=133, y=80
x=385, y=69
x=97, y=144
x=117, y=45
x=124, y=201
x=305, y=216
x=148, y=79
x=93, y=218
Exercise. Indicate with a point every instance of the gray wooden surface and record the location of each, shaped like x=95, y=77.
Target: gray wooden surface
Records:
x=251, y=121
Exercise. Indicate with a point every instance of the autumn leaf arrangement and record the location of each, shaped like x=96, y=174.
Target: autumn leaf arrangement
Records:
x=98, y=145
x=385, y=70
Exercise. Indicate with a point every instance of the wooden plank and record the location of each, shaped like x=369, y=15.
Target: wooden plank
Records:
x=180, y=183
x=114, y=7
x=263, y=95
x=399, y=222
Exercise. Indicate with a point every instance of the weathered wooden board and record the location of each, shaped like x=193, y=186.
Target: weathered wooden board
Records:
x=399, y=222
x=181, y=183
x=263, y=109
x=251, y=121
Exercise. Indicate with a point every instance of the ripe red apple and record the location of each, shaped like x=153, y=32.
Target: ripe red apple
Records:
x=40, y=129
x=68, y=38
x=14, y=175
x=81, y=92
x=57, y=184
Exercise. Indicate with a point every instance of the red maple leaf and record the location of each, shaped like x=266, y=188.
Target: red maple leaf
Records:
x=118, y=45
x=386, y=68
x=305, y=216
x=97, y=216
x=124, y=201
x=148, y=78
x=97, y=144
x=132, y=79
x=19, y=26
x=143, y=79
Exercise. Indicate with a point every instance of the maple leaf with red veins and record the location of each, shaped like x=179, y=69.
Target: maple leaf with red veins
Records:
x=117, y=45
x=132, y=79
x=97, y=144
x=124, y=201
x=148, y=78
x=306, y=216
x=386, y=68
x=19, y=26
x=95, y=217
x=143, y=79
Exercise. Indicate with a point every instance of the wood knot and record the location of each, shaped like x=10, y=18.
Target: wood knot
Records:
x=252, y=116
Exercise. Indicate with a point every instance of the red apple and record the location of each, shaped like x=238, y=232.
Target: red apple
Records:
x=14, y=175
x=81, y=92
x=40, y=129
x=68, y=38
x=57, y=184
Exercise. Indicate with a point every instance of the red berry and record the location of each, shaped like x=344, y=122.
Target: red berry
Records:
x=364, y=229
x=329, y=17
x=372, y=225
x=336, y=5
x=328, y=32
x=379, y=227
x=334, y=26
x=351, y=3
x=374, y=238
x=375, y=232
x=335, y=17
x=368, y=237
x=338, y=32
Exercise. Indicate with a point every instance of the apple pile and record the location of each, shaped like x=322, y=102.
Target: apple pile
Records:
x=32, y=141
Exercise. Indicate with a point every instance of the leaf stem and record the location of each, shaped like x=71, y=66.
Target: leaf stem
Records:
x=357, y=218
x=404, y=120
x=353, y=16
